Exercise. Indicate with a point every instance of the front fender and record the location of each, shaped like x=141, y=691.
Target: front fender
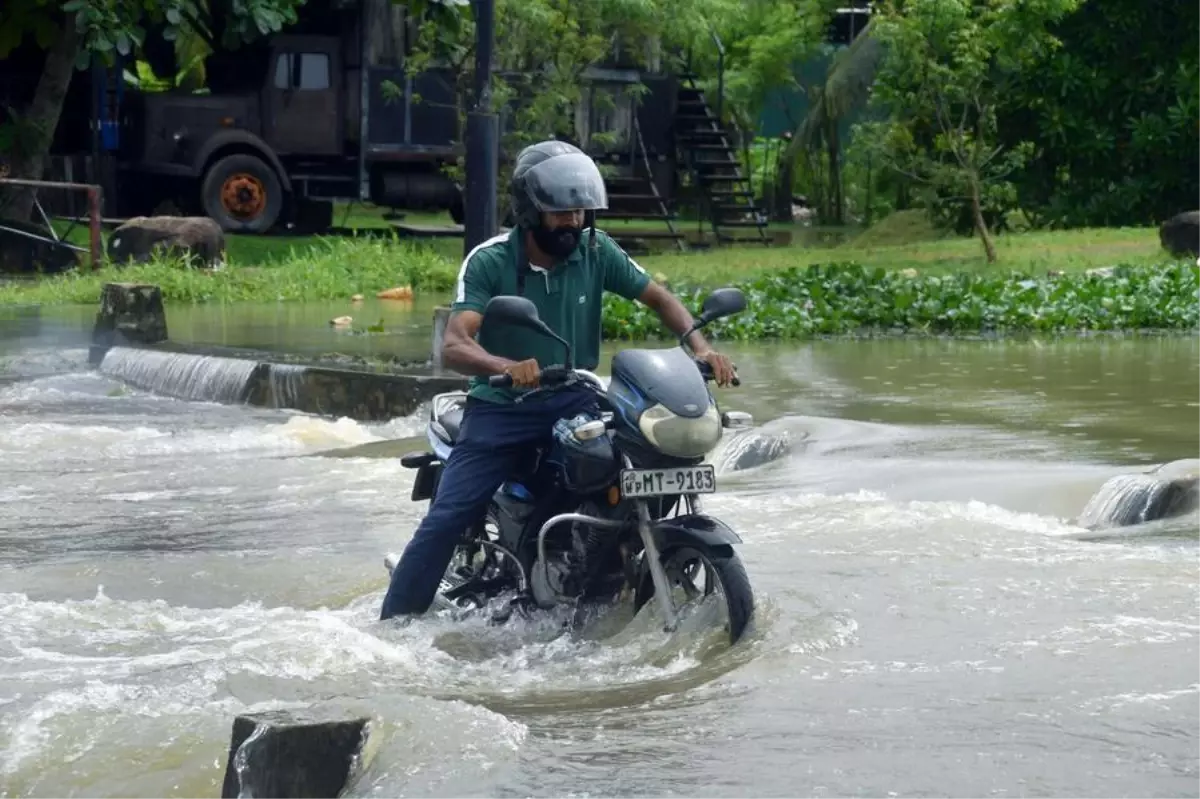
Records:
x=693, y=529
x=223, y=138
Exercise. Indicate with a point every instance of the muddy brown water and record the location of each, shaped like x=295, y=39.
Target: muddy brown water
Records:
x=930, y=623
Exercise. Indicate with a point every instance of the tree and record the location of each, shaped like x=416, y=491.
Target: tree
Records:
x=845, y=89
x=75, y=32
x=1115, y=110
x=543, y=48
x=765, y=41
x=947, y=67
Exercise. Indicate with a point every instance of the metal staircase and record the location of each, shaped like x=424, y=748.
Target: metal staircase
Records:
x=634, y=195
x=709, y=151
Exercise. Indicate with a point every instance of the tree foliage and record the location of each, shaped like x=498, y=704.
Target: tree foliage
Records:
x=551, y=43
x=120, y=26
x=1115, y=112
x=75, y=32
x=845, y=89
x=764, y=41
x=947, y=67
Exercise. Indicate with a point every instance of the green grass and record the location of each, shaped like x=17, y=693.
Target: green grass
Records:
x=334, y=268
x=269, y=268
x=903, y=240
x=1030, y=253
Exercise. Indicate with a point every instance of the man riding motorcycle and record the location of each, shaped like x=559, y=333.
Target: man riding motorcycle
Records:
x=555, y=190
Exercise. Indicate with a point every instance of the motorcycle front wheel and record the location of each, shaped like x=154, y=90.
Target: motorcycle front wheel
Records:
x=684, y=567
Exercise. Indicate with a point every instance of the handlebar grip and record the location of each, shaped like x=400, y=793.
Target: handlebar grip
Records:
x=707, y=371
x=500, y=381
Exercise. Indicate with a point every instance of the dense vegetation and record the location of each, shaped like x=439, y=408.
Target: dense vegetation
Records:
x=787, y=299
x=1058, y=112
x=843, y=298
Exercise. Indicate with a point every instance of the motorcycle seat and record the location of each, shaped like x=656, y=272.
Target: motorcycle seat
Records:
x=451, y=422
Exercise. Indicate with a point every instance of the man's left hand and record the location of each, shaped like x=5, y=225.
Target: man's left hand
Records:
x=721, y=365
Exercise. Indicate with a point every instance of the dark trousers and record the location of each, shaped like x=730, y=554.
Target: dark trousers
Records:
x=492, y=439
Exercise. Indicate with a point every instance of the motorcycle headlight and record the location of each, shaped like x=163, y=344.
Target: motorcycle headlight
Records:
x=680, y=436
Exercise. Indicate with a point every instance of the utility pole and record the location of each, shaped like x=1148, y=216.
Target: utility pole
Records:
x=483, y=137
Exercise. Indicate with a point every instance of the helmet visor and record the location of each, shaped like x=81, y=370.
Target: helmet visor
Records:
x=566, y=183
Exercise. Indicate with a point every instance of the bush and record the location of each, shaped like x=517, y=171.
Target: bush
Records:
x=848, y=298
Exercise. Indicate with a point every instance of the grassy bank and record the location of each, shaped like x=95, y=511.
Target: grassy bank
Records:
x=881, y=282
x=902, y=241
x=1028, y=253
x=322, y=269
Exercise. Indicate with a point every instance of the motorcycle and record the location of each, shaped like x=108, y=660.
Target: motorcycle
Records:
x=595, y=515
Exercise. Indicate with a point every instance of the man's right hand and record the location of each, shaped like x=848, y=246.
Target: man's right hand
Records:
x=525, y=374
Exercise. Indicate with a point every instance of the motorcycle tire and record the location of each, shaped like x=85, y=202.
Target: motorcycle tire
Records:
x=735, y=584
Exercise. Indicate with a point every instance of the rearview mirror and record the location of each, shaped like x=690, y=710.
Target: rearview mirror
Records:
x=514, y=311
x=520, y=312
x=723, y=302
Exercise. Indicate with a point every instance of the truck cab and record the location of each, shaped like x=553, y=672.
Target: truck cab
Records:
x=302, y=98
x=289, y=126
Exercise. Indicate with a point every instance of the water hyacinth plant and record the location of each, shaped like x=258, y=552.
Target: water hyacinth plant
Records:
x=846, y=298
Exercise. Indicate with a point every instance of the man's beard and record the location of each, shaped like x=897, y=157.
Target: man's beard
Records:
x=559, y=242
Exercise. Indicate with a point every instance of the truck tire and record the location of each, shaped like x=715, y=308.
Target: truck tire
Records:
x=242, y=194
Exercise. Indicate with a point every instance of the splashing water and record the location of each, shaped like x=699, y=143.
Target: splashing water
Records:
x=1129, y=499
x=192, y=377
x=285, y=382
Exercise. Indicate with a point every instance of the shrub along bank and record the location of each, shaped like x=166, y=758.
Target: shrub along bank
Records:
x=849, y=298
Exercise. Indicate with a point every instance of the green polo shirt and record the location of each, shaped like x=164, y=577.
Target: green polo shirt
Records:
x=568, y=298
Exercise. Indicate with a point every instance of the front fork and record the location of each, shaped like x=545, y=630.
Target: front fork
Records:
x=657, y=573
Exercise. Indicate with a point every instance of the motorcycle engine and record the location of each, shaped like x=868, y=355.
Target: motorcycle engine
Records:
x=549, y=579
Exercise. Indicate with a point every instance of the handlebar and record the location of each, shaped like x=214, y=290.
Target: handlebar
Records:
x=554, y=375
x=707, y=372
x=551, y=375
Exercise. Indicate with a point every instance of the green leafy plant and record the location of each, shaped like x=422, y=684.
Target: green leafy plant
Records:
x=846, y=298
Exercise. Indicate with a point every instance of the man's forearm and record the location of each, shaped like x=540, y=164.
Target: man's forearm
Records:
x=676, y=318
x=465, y=356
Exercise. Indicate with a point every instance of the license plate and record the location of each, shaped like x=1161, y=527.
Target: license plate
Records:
x=662, y=482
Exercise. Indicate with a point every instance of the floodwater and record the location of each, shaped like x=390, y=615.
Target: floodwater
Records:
x=931, y=621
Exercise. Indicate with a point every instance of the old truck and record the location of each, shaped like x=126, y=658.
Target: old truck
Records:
x=292, y=123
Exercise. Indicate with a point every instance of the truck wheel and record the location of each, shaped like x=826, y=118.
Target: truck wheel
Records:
x=242, y=194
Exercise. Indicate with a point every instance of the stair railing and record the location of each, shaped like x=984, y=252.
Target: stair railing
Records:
x=720, y=73
x=662, y=206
